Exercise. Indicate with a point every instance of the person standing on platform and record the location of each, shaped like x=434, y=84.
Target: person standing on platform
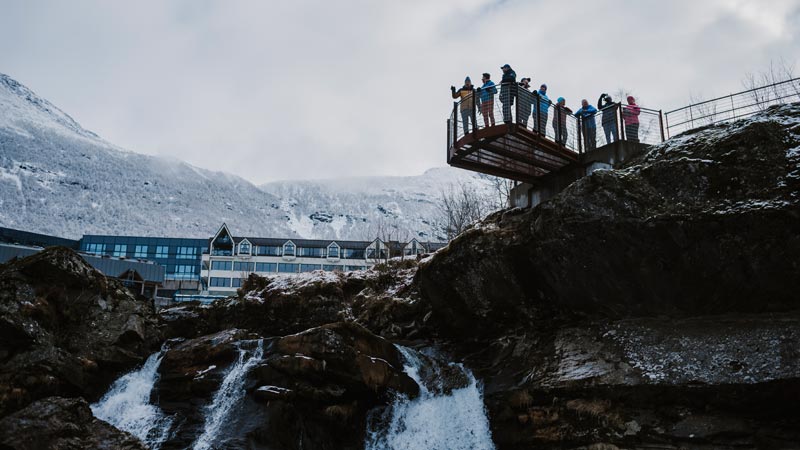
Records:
x=588, y=126
x=466, y=95
x=630, y=115
x=560, y=121
x=485, y=99
x=508, y=90
x=609, y=117
x=525, y=99
x=543, y=111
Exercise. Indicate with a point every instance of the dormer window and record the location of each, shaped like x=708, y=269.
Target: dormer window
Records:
x=289, y=249
x=244, y=247
x=333, y=251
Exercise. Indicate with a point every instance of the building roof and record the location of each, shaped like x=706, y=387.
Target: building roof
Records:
x=12, y=236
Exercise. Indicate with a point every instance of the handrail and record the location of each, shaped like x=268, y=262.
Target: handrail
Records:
x=732, y=106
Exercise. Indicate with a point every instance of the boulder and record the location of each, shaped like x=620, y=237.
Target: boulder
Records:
x=63, y=424
x=67, y=330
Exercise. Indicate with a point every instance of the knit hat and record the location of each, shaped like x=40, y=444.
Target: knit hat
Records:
x=560, y=99
x=631, y=99
x=467, y=80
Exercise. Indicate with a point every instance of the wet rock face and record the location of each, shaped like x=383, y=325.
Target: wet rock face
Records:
x=61, y=423
x=651, y=305
x=311, y=390
x=66, y=329
x=702, y=224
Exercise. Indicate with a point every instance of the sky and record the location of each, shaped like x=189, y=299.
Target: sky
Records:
x=326, y=89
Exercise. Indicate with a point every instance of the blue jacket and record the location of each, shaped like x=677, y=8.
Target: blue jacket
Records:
x=586, y=114
x=544, y=102
x=488, y=90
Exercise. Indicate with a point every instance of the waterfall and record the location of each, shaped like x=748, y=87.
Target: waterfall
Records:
x=127, y=405
x=231, y=391
x=434, y=421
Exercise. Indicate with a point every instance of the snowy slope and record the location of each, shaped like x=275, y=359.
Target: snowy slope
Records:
x=58, y=178
x=362, y=208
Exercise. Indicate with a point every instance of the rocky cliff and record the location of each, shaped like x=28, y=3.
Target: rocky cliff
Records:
x=652, y=306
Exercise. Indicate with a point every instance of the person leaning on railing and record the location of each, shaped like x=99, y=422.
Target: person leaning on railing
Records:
x=466, y=95
x=525, y=99
x=543, y=111
x=560, y=121
x=630, y=115
x=508, y=90
x=485, y=99
x=586, y=115
x=609, y=117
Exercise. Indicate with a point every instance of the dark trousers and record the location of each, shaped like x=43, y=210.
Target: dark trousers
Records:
x=590, y=138
x=632, y=132
x=466, y=118
x=561, y=133
x=541, y=124
x=610, y=129
x=508, y=101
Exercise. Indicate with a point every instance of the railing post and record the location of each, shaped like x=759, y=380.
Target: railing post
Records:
x=661, y=124
x=455, y=123
x=538, y=112
x=580, y=135
x=474, y=112
x=620, y=122
x=449, y=142
x=733, y=108
x=560, y=131
x=665, y=124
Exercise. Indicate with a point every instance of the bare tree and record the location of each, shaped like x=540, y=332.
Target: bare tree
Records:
x=501, y=191
x=764, y=88
x=461, y=206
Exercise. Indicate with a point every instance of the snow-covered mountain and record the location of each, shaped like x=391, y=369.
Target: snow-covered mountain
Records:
x=59, y=178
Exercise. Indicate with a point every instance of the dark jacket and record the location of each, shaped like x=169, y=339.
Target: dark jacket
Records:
x=508, y=85
x=525, y=99
x=609, y=110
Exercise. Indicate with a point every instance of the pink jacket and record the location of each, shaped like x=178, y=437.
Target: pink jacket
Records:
x=630, y=114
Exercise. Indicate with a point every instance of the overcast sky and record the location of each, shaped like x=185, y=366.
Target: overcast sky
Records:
x=299, y=89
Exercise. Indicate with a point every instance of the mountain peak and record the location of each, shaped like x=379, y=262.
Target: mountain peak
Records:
x=18, y=103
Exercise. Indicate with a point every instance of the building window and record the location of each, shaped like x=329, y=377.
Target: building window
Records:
x=162, y=251
x=237, y=282
x=244, y=248
x=413, y=248
x=221, y=265
x=333, y=251
x=266, y=267
x=187, y=252
x=184, y=271
x=288, y=249
x=288, y=268
x=310, y=252
x=352, y=268
x=220, y=282
x=310, y=267
x=141, y=251
x=268, y=250
x=332, y=267
x=239, y=266
x=352, y=253
x=120, y=250
x=97, y=249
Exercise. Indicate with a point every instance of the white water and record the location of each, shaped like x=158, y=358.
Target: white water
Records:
x=455, y=421
x=231, y=392
x=127, y=405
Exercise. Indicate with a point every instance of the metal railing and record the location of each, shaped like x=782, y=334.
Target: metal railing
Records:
x=483, y=108
x=731, y=107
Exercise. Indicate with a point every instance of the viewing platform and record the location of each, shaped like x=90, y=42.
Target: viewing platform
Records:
x=521, y=136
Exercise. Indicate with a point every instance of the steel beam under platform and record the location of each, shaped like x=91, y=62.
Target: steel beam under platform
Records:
x=509, y=151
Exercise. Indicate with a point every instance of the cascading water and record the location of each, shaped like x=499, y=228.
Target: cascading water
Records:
x=127, y=405
x=453, y=421
x=229, y=394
